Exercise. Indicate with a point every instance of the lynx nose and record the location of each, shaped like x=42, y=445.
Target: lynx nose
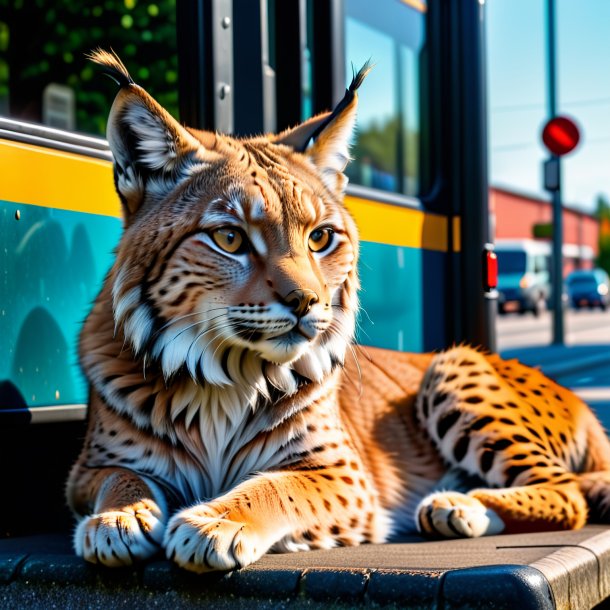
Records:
x=301, y=300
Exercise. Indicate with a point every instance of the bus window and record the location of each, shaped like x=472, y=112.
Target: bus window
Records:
x=45, y=76
x=386, y=148
x=59, y=214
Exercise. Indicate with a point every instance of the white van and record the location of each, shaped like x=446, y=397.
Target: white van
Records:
x=524, y=279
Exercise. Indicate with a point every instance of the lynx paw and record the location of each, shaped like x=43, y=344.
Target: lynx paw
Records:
x=119, y=538
x=201, y=541
x=456, y=515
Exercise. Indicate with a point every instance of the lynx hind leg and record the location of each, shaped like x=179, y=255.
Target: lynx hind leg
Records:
x=492, y=425
x=536, y=507
x=594, y=483
x=484, y=512
x=127, y=521
x=596, y=488
x=451, y=514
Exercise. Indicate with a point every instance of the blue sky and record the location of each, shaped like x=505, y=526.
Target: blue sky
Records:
x=517, y=94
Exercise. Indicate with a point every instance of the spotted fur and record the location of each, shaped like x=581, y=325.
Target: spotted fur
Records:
x=539, y=455
x=230, y=413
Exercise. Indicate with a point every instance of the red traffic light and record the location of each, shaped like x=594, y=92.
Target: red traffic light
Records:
x=560, y=135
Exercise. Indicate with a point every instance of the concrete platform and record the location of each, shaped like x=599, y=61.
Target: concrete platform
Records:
x=567, y=570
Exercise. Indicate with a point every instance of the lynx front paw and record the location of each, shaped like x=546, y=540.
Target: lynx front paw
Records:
x=201, y=541
x=119, y=538
x=455, y=515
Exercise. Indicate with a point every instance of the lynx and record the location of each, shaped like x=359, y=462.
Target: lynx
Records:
x=230, y=414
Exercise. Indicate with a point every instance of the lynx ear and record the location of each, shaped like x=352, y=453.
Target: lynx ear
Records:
x=151, y=150
x=325, y=138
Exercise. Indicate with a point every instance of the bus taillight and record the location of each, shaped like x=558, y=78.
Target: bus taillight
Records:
x=490, y=268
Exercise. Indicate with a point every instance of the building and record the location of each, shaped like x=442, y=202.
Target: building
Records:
x=515, y=215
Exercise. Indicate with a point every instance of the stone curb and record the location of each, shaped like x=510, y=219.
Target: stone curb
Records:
x=42, y=578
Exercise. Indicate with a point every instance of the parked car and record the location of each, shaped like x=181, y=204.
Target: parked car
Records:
x=588, y=288
x=524, y=279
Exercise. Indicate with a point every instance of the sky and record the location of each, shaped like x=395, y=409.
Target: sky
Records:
x=517, y=99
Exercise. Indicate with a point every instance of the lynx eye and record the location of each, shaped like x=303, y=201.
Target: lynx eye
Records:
x=230, y=239
x=320, y=239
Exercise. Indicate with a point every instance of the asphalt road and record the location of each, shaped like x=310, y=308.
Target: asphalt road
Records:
x=584, y=366
x=583, y=327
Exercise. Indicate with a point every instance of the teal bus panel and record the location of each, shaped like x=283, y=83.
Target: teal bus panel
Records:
x=52, y=266
x=391, y=313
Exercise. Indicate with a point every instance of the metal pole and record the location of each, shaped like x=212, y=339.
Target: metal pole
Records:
x=557, y=258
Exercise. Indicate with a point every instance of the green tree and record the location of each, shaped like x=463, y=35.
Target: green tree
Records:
x=378, y=145
x=44, y=41
x=602, y=211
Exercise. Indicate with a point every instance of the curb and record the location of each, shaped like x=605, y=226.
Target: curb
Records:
x=46, y=581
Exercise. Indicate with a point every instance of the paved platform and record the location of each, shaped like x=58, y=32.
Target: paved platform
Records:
x=585, y=369
x=566, y=570
x=534, y=571
x=559, y=361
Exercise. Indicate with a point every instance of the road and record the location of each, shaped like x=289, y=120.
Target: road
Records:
x=584, y=366
x=583, y=327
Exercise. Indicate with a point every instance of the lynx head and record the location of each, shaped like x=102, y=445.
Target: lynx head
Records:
x=237, y=253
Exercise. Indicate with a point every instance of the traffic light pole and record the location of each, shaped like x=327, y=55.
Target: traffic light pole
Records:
x=555, y=161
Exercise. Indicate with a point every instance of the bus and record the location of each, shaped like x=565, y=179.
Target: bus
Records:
x=61, y=217
x=418, y=182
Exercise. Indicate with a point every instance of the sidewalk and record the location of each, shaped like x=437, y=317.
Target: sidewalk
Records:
x=536, y=571
x=559, y=361
x=585, y=369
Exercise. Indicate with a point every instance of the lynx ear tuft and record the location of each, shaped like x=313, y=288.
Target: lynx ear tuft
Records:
x=328, y=135
x=358, y=77
x=112, y=66
x=152, y=151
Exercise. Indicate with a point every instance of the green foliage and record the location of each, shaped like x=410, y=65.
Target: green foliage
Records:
x=602, y=207
x=378, y=143
x=543, y=230
x=44, y=41
x=376, y=148
x=603, y=214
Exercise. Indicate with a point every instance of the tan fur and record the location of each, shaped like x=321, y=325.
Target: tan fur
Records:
x=230, y=413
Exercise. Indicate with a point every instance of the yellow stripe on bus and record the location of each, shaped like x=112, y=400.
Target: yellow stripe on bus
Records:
x=398, y=226
x=57, y=179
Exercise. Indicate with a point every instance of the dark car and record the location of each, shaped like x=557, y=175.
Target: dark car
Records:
x=588, y=288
